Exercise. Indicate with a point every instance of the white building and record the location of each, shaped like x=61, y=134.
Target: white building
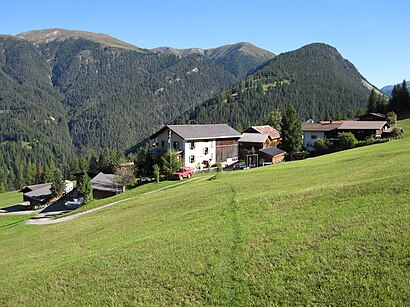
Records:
x=199, y=145
x=311, y=132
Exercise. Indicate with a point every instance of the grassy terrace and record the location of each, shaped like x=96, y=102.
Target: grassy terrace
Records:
x=328, y=230
x=10, y=198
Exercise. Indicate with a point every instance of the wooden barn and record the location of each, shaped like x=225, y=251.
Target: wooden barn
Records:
x=271, y=155
x=105, y=185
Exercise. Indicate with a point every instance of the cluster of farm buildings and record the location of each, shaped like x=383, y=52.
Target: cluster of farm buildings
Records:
x=202, y=146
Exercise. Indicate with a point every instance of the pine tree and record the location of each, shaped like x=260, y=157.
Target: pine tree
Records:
x=275, y=119
x=93, y=167
x=85, y=189
x=170, y=162
x=31, y=173
x=406, y=96
x=373, y=101
x=82, y=165
x=382, y=102
x=58, y=185
x=291, y=131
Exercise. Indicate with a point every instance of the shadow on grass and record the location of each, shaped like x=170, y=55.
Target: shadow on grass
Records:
x=16, y=208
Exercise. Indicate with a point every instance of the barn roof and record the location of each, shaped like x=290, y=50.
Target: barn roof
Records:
x=40, y=194
x=272, y=151
x=266, y=129
x=313, y=127
x=362, y=125
x=105, y=182
x=253, y=138
x=29, y=188
x=201, y=132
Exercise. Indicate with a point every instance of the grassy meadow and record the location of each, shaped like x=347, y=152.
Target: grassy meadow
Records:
x=10, y=198
x=331, y=230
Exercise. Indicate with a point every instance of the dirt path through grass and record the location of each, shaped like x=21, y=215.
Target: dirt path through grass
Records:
x=45, y=219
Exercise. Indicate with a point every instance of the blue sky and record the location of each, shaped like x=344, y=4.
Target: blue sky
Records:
x=373, y=35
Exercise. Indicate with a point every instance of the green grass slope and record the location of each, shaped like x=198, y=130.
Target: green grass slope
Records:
x=331, y=230
x=10, y=198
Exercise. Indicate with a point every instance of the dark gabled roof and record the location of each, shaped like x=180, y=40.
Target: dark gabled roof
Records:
x=318, y=127
x=272, y=151
x=378, y=115
x=106, y=182
x=266, y=129
x=362, y=125
x=201, y=132
x=253, y=138
x=41, y=194
x=29, y=188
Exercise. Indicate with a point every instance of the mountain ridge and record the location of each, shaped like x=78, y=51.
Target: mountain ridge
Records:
x=218, y=52
x=239, y=59
x=45, y=36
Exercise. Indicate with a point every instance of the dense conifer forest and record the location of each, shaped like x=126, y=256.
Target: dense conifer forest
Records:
x=315, y=79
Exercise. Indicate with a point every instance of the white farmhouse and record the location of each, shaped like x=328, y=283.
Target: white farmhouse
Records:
x=311, y=132
x=199, y=145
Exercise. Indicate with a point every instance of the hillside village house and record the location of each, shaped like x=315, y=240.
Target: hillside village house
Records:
x=273, y=136
x=263, y=141
x=106, y=185
x=199, y=145
x=39, y=195
x=360, y=128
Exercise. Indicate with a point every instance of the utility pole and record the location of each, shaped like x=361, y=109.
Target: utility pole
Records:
x=170, y=153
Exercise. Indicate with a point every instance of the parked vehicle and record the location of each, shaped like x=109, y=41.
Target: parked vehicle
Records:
x=75, y=203
x=239, y=166
x=183, y=172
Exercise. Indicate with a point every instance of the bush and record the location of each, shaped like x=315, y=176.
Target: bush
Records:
x=220, y=167
x=347, y=140
x=397, y=133
x=322, y=145
x=391, y=118
x=157, y=171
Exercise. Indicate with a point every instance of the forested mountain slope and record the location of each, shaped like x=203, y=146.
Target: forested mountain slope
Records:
x=73, y=94
x=33, y=122
x=316, y=79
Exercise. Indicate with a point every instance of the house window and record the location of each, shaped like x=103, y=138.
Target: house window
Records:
x=176, y=145
x=313, y=137
x=163, y=144
x=191, y=159
x=192, y=146
x=206, y=150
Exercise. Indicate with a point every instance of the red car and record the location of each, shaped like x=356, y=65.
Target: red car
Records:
x=183, y=172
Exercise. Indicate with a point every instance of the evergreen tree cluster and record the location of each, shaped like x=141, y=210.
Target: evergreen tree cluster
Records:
x=27, y=164
x=398, y=102
x=378, y=103
x=315, y=79
x=400, y=98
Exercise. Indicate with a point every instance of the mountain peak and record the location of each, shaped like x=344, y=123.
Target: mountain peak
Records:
x=239, y=59
x=245, y=47
x=56, y=34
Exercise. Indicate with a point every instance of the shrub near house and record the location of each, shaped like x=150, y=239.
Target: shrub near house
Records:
x=347, y=140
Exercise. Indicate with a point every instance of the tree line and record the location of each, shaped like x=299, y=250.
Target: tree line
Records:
x=398, y=102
